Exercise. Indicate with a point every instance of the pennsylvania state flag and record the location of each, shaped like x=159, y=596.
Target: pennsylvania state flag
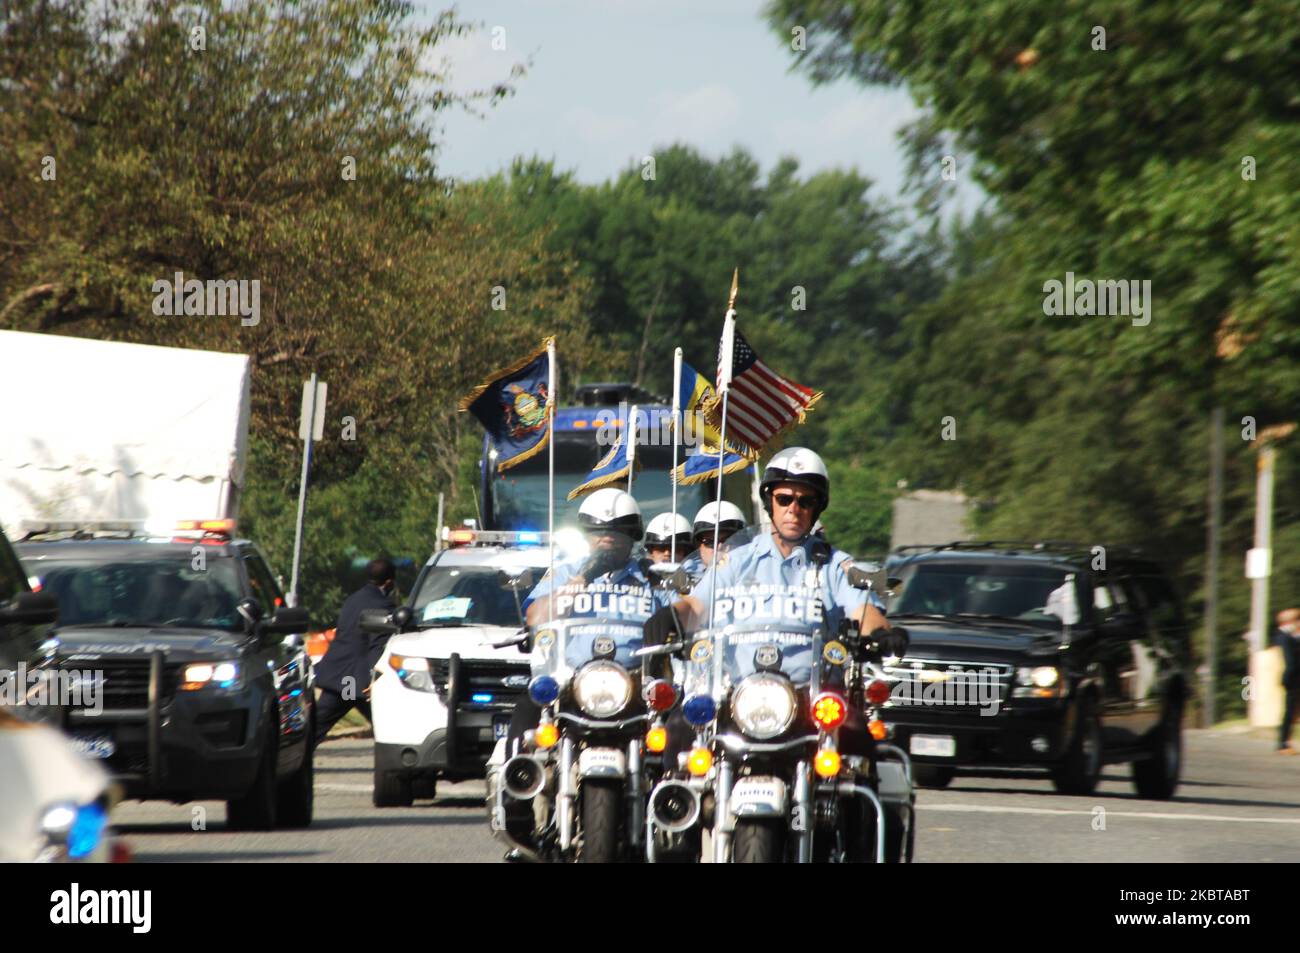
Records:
x=612, y=470
x=513, y=406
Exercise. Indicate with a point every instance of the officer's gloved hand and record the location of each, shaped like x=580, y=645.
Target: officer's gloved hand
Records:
x=891, y=641
x=599, y=563
x=660, y=628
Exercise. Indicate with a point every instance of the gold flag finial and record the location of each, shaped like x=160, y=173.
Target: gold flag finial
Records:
x=735, y=287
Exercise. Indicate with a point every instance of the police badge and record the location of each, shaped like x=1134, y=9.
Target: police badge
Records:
x=701, y=651
x=603, y=647
x=767, y=657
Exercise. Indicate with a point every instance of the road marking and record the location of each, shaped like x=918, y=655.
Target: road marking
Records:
x=982, y=809
x=330, y=786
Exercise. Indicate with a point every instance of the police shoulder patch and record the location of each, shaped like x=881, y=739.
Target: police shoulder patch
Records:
x=835, y=653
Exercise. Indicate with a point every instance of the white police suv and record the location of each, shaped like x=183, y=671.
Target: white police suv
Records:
x=442, y=694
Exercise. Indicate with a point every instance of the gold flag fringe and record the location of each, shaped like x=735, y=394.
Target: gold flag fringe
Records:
x=713, y=413
x=682, y=479
x=518, y=365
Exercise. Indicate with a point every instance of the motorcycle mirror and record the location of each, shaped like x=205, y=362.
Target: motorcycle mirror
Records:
x=517, y=639
x=520, y=580
x=819, y=551
x=670, y=576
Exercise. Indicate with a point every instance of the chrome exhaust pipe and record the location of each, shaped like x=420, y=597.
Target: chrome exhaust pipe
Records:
x=522, y=777
x=674, y=806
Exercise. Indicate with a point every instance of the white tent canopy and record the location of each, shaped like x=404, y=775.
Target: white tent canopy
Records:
x=97, y=430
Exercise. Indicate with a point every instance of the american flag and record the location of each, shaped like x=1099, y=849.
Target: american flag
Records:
x=762, y=403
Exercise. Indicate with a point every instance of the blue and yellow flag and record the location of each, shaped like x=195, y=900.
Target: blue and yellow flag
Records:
x=610, y=471
x=702, y=465
x=513, y=404
x=694, y=394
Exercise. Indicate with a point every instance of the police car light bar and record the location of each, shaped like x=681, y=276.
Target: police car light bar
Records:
x=30, y=528
x=488, y=537
x=224, y=527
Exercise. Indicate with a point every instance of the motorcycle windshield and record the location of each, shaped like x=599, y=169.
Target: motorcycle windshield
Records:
x=564, y=645
x=781, y=633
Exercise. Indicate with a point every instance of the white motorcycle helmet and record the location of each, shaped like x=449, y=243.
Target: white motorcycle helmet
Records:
x=611, y=509
x=664, y=527
x=726, y=516
x=797, y=465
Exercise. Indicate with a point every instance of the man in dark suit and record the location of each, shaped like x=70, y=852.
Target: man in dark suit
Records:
x=343, y=675
x=1287, y=637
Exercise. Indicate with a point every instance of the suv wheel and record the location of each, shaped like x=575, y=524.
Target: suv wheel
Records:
x=1156, y=777
x=296, y=793
x=391, y=789
x=932, y=775
x=255, y=811
x=1080, y=770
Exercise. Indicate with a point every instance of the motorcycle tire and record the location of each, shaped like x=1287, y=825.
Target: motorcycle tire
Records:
x=601, y=801
x=757, y=842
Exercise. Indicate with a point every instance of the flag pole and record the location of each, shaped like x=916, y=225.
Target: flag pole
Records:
x=631, y=446
x=725, y=358
x=677, y=436
x=552, y=373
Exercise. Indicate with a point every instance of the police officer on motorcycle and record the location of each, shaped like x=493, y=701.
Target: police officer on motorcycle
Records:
x=722, y=519
x=795, y=491
x=660, y=536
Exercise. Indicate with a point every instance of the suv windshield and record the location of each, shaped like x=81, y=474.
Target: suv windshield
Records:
x=470, y=595
x=152, y=589
x=1032, y=594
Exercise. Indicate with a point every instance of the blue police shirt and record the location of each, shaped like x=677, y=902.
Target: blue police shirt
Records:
x=759, y=563
x=623, y=594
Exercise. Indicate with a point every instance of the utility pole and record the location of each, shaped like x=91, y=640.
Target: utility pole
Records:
x=1210, y=666
x=1265, y=703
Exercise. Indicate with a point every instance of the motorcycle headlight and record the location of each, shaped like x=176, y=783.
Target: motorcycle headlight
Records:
x=602, y=689
x=203, y=674
x=763, y=705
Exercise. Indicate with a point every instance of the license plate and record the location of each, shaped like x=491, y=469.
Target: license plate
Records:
x=94, y=746
x=500, y=728
x=935, y=746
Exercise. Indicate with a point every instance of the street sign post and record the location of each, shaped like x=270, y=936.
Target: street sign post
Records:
x=311, y=427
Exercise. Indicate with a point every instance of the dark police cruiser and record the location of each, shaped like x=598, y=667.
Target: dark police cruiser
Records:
x=1057, y=655
x=206, y=686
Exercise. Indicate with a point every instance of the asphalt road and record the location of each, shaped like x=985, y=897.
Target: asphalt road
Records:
x=1239, y=802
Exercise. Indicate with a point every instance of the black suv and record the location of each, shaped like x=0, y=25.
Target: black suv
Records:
x=24, y=617
x=198, y=682
x=1057, y=655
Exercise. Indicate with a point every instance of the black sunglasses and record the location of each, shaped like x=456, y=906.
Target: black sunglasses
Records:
x=789, y=499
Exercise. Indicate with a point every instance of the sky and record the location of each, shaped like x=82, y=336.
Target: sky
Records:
x=612, y=80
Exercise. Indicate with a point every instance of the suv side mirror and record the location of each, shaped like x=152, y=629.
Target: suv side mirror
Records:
x=287, y=621
x=386, y=621
x=31, y=608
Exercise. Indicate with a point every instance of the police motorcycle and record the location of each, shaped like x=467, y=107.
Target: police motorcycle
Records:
x=587, y=766
x=770, y=697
